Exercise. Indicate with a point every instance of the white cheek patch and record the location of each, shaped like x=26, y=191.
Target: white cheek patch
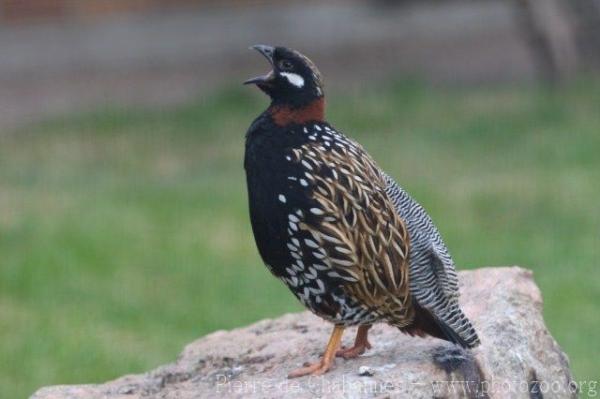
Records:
x=294, y=79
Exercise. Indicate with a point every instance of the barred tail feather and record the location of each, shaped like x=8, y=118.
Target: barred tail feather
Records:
x=462, y=333
x=470, y=342
x=457, y=329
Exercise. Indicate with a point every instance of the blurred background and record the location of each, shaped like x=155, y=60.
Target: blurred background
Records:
x=124, y=231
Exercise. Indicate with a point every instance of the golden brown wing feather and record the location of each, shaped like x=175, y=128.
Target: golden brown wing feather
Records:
x=363, y=238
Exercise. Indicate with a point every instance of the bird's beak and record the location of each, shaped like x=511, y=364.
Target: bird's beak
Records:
x=267, y=52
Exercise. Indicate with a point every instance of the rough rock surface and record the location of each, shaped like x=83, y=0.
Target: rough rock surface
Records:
x=518, y=357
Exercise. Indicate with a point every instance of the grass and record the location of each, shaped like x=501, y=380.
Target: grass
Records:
x=124, y=233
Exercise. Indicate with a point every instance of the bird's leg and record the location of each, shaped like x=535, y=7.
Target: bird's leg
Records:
x=361, y=343
x=322, y=366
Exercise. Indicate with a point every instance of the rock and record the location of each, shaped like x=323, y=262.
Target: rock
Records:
x=365, y=371
x=518, y=357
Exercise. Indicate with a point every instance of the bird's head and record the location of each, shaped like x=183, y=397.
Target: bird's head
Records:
x=294, y=80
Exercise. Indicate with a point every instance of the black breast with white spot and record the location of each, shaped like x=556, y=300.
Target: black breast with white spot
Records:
x=282, y=209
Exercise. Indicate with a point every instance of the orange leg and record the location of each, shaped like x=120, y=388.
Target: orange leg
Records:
x=322, y=366
x=361, y=343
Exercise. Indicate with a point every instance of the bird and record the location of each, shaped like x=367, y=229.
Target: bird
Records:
x=340, y=233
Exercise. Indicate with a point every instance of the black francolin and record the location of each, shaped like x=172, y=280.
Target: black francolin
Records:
x=349, y=243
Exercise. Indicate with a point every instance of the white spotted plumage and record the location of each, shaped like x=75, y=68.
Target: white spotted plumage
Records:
x=440, y=299
x=332, y=225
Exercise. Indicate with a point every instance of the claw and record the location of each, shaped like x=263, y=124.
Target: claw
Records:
x=354, y=351
x=361, y=344
x=328, y=359
x=318, y=368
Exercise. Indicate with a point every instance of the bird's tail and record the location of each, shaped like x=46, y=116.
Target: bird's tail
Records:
x=455, y=327
x=458, y=329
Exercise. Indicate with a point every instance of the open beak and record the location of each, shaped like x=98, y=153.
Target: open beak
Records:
x=267, y=52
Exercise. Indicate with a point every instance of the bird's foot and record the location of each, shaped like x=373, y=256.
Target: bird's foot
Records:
x=361, y=344
x=318, y=368
x=328, y=359
x=354, y=351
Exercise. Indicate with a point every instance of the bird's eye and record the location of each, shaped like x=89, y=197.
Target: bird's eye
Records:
x=285, y=65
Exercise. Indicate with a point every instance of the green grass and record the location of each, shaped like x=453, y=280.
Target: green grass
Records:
x=124, y=233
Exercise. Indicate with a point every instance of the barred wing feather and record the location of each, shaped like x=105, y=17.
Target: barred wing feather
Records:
x=433, y=278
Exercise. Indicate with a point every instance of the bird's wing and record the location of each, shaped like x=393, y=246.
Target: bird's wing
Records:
x=432, y=269
x=354, y=225
x=443, y=267
x=433, y=278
